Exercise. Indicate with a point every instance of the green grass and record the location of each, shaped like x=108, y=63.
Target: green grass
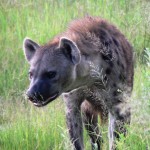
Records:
x=25, y=127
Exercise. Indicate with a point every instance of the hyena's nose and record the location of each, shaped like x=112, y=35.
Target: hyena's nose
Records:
x=31, y=96
x=34, y=96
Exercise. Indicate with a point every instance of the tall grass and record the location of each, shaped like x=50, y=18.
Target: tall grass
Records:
x=22, y=126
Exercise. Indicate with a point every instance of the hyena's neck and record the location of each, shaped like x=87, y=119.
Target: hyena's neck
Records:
x=88, y=70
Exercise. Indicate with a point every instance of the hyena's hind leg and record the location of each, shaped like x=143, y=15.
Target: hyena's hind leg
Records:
x=119, y=118
x=90, y=119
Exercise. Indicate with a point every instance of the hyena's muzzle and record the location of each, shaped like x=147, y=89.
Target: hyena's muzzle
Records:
x=41, y=93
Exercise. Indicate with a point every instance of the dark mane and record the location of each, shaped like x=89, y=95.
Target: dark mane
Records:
x=89, y=31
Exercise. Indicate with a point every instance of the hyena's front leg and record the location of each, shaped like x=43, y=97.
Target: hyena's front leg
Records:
x=90, y=119
x=74, y=120
x=119, y=118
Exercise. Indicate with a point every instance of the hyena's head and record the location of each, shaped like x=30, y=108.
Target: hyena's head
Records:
x=52, y=69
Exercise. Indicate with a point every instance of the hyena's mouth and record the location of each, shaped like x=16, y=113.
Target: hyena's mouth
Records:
x=43, y=103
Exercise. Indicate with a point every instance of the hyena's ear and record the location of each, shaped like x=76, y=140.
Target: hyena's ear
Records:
x=29, y=48
x=70, y=50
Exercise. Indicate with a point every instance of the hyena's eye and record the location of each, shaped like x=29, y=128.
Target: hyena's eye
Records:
x=51, y=74
x=30, y=75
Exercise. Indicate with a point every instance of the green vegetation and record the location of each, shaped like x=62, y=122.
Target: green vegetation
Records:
x=25, y=127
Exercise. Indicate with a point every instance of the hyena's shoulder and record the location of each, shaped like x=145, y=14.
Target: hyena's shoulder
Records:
x=96, y=35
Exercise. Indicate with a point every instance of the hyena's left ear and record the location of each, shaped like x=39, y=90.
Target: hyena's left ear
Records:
x=29, y=48
x=70, y=50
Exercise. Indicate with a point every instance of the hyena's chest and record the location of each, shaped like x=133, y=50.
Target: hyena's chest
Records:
x=96, y=96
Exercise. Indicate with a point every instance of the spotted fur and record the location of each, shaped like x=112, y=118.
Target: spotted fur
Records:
x=95, y=64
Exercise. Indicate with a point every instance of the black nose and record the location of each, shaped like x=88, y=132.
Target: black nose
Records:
x=31, y=96
x=34, y=96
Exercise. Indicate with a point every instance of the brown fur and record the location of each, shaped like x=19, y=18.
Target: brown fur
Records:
x=78, y=32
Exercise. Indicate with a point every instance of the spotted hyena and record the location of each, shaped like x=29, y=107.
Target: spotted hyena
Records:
x=91, y=64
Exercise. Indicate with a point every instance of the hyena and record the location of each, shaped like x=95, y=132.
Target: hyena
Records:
x=91, y=65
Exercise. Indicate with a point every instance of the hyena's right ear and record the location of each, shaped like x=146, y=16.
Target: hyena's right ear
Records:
x=29, y=48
